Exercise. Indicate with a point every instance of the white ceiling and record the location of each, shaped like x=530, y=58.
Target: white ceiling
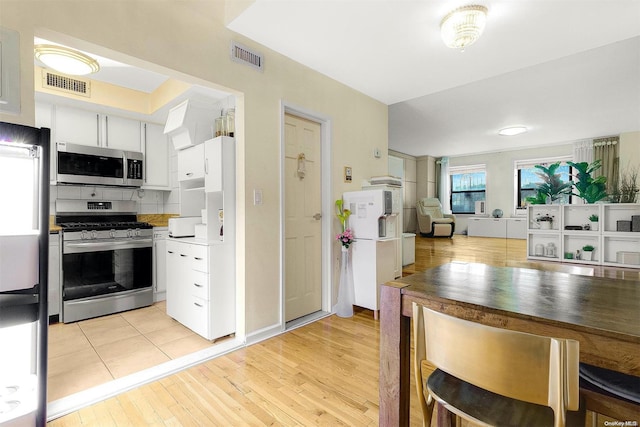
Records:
x=564, y=68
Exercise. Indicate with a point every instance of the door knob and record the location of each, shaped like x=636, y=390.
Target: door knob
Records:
x=317, y=216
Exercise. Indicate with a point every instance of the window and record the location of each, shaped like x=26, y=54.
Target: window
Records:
x=468, y=186
x=527, y=179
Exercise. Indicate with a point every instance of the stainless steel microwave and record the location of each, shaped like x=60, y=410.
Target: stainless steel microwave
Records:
x=85, y=165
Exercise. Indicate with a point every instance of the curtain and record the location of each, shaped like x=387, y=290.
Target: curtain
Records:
x=583, y=151
x=606, y=150
x=443, y=188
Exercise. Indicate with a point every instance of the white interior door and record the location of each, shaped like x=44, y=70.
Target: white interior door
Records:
x=303, y=225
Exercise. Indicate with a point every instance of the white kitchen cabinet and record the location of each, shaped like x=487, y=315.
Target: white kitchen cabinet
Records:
x=191, y=164
x=54, y=275
x=214, y=164
x=156, y=157
x=77, y=126
x=121, y=133
x=201, y=287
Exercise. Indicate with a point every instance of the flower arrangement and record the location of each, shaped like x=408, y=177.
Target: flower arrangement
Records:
x=346, y=237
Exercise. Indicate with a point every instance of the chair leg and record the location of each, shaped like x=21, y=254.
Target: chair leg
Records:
x=444, y=418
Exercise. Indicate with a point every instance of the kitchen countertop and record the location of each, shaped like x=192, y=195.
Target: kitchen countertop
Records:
x=157, y=220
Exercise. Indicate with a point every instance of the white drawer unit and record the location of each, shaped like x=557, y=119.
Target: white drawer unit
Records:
x=200, y=287
x=510, y=228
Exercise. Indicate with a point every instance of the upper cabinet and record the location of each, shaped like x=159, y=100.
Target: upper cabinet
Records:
x=84, y=127
x=121, y=133
x=156, y=155
x=76, y=126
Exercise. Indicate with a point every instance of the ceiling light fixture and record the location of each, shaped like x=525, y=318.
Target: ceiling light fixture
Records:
x=513, y=130
x=463, y=26
x=66, y=60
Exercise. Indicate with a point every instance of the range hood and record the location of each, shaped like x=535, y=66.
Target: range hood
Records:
x=189, y=125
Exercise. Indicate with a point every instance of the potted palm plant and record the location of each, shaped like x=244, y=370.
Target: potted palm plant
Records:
x=552, y=188
x=588, y=188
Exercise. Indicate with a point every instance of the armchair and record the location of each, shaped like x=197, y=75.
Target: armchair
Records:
x=431, y=221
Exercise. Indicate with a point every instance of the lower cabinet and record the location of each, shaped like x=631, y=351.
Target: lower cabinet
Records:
x=510, y=228
x=54, y=275
x=200, y=288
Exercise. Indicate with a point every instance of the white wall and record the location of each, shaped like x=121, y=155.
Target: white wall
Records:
x=189, y=41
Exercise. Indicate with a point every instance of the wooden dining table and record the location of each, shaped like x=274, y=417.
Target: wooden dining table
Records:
x=603, y=314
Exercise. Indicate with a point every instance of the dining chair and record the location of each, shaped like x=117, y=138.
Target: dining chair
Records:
x=494, y=376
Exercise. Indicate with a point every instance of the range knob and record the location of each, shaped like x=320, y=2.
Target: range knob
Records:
x=112, y=233
x=94, y=234
x=138, y=232
x=84, y=234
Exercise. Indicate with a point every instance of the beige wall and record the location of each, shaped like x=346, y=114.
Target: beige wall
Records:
x=629, y=150
x=190, y=38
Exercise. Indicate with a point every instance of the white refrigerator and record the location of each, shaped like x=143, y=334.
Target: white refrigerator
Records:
x=374, y=222
x=24, y=232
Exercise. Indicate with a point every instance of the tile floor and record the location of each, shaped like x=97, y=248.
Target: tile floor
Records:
x=92, y=352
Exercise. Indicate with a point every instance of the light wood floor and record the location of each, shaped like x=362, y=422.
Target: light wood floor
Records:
x=324, y=373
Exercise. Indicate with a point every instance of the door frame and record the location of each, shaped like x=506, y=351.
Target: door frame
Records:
x=326, y=209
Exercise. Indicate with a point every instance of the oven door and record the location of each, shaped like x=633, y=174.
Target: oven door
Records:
x=100, y=278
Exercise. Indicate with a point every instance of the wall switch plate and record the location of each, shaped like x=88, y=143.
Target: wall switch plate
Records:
x=376, y=153
x=257, y=196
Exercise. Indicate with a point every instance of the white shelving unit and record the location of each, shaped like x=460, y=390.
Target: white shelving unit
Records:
x=201, y=270
x=571, y=230
x=537, y=237
x=615, y=242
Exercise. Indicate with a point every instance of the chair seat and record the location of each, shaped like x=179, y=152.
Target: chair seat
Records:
x=617, y=383
x=479, y=405
x=442, y=220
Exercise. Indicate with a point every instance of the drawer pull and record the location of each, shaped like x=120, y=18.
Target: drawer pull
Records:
x=198, y=258
x=189, y=173
x=197, y=285
x=183, y=255
x=170, y=252
x=197, y=305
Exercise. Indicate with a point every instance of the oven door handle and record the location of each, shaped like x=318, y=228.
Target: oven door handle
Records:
x=74, y=248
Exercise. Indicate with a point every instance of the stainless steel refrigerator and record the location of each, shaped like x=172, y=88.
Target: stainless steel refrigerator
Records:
x=24, y=232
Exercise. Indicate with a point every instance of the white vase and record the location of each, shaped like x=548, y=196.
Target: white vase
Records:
x=545, y=225
x=594, y=225
x=346, y=293
x=587, y=255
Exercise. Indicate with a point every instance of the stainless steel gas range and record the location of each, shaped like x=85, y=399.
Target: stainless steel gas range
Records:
x=106, y=258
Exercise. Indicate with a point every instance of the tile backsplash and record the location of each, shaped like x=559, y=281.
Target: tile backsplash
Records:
x=148, y=201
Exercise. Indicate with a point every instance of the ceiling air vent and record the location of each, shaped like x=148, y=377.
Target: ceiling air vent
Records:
x=66, y=84
x=244, y=55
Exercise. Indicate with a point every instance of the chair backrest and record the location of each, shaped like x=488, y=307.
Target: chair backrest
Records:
x=431, y=206
x=519, y=365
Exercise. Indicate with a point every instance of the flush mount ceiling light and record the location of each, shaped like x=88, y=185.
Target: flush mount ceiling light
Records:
x=66, y=60
x=513, y=130
x=463, y=26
